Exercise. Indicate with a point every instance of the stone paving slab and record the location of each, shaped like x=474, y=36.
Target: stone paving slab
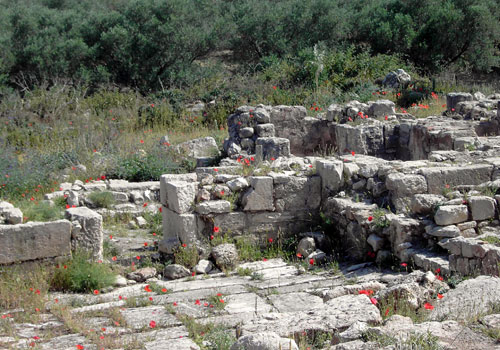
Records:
x=140, y=318
x=248, y=302
x=293, y=302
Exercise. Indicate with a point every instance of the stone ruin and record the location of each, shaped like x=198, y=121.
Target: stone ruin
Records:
x=396, y=188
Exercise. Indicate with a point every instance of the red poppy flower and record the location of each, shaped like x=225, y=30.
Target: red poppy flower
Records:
x=404, y=264
x=438, y=270
x=110, y=237
x=150, y=298
x=311, y=261
x=80, y=347
x=440, y=296
x=37, y=309
x=37, y=292
x=270, y=240
x=370, y=218
x=145, y=205
x=147, y=288
x=164, y=290
x=212, y=237
x=353, y=153
x=216, y=170
x=114, y=258
x=428, y=306
x=387, y=312
x=120, y=297
x=96, y=292
x=221, y=301
x=299, y=255
x=439, y=277
x=184, y=245
x=193, y=273
x=152, y=324
x=175, y=304
x=197, y=302
x=374, y=301
x=274, y=87
x=138, y=257
x=145, y=244
x=264, y=259
x=386, y=117
x=160, y=209
x=142, y=141
x=36, y=337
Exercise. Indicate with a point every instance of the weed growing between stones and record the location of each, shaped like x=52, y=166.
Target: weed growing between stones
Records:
x=244, y=271
x=41, y=211
x=186, y=256
x=25, y=288
x=103, y=199
x=313, y=339
x=425, y=341
x=492, y=240
x=208, y=335
x=81, y=275
x=399, y=305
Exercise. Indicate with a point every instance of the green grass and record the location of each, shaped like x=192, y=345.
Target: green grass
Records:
x=208, y=336
x=425, y=341
x=103, y=199
x=82, y=275
x=492, y=240
x=187, y=256
x=40, y=211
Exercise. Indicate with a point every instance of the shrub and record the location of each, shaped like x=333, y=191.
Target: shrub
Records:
x=187, y=256
x=102, y=199
x=81, y=275
x=42, y=211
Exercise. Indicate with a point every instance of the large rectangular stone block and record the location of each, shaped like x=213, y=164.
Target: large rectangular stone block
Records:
x=87, y=232
x=181, y=195
x=34, y=240
x=437, y=178
x=331, y=173
x=186, y=227
x=164, y=179
x=260, y=196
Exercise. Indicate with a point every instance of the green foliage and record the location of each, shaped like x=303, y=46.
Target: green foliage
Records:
x=187, y=256
x=82, y=275
x=208, y=335
x=42, y=211
x=103, y=199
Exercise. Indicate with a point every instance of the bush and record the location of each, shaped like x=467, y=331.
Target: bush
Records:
x=42, y=211
x=81, y=275
x=187, y=256
x=102, y=199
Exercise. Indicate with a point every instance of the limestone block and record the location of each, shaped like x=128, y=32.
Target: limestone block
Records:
x=186, y=227
x=438, y=177
x=273, y=147
x=34, y=240
x=455, y=97
x=181, y=195
x=12, y=216
x=90, y=237
x=225, y=255
x=331, y=173
x=246, y=132
x=306, y=246
x=403, y=229
x=202, y=147
x=425, y=203
x=237, y=184
x=265, y=130
x=164, y=179
x=482, y=207
x=405, y=184
x=203, y=266
x=175, y=271
x=210, y=207
x=234, y=222
x=451, y=214
x=120, y=197
x=260, y=195
x=334, y=112
x=376, y=242
x=381, y=108
x=445, y=231
x=294, y=193
x=137, y=197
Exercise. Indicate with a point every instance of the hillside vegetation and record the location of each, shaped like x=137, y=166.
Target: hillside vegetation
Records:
x=99, y=82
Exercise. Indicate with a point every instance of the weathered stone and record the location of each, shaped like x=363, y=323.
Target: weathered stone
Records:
x=260, y=195
x=470, y=298
x=404, y=230
x=175, y=271
x=381, y=108
x=248, y=145
x=234, y=222
x=142, y=274
x=296, y=302
x=318, y=256
x=334, y=112
x=237, y=184
x=180, y=196
x=141, y=222
x=202, y=147
x=446, y=231
x=210, y=207
x=164, y=179
x=451, y=214
x=425, y=203
x=440, y=177
x=246, y=132
x=264, y=130
x=186, y=227
x=331, y=173
x=203, y=266
x=397, y=79
x=225, y=255
x=306, y=246
x=406, y=184
x=34, y=240
x=453, y=98
x=376, y=242
x=12, y=216
x=293, y=193
x=482, y=207
x=90, y=237
x=120, y=197
x=137, y=197
x=264, y=341
x=273, y=147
